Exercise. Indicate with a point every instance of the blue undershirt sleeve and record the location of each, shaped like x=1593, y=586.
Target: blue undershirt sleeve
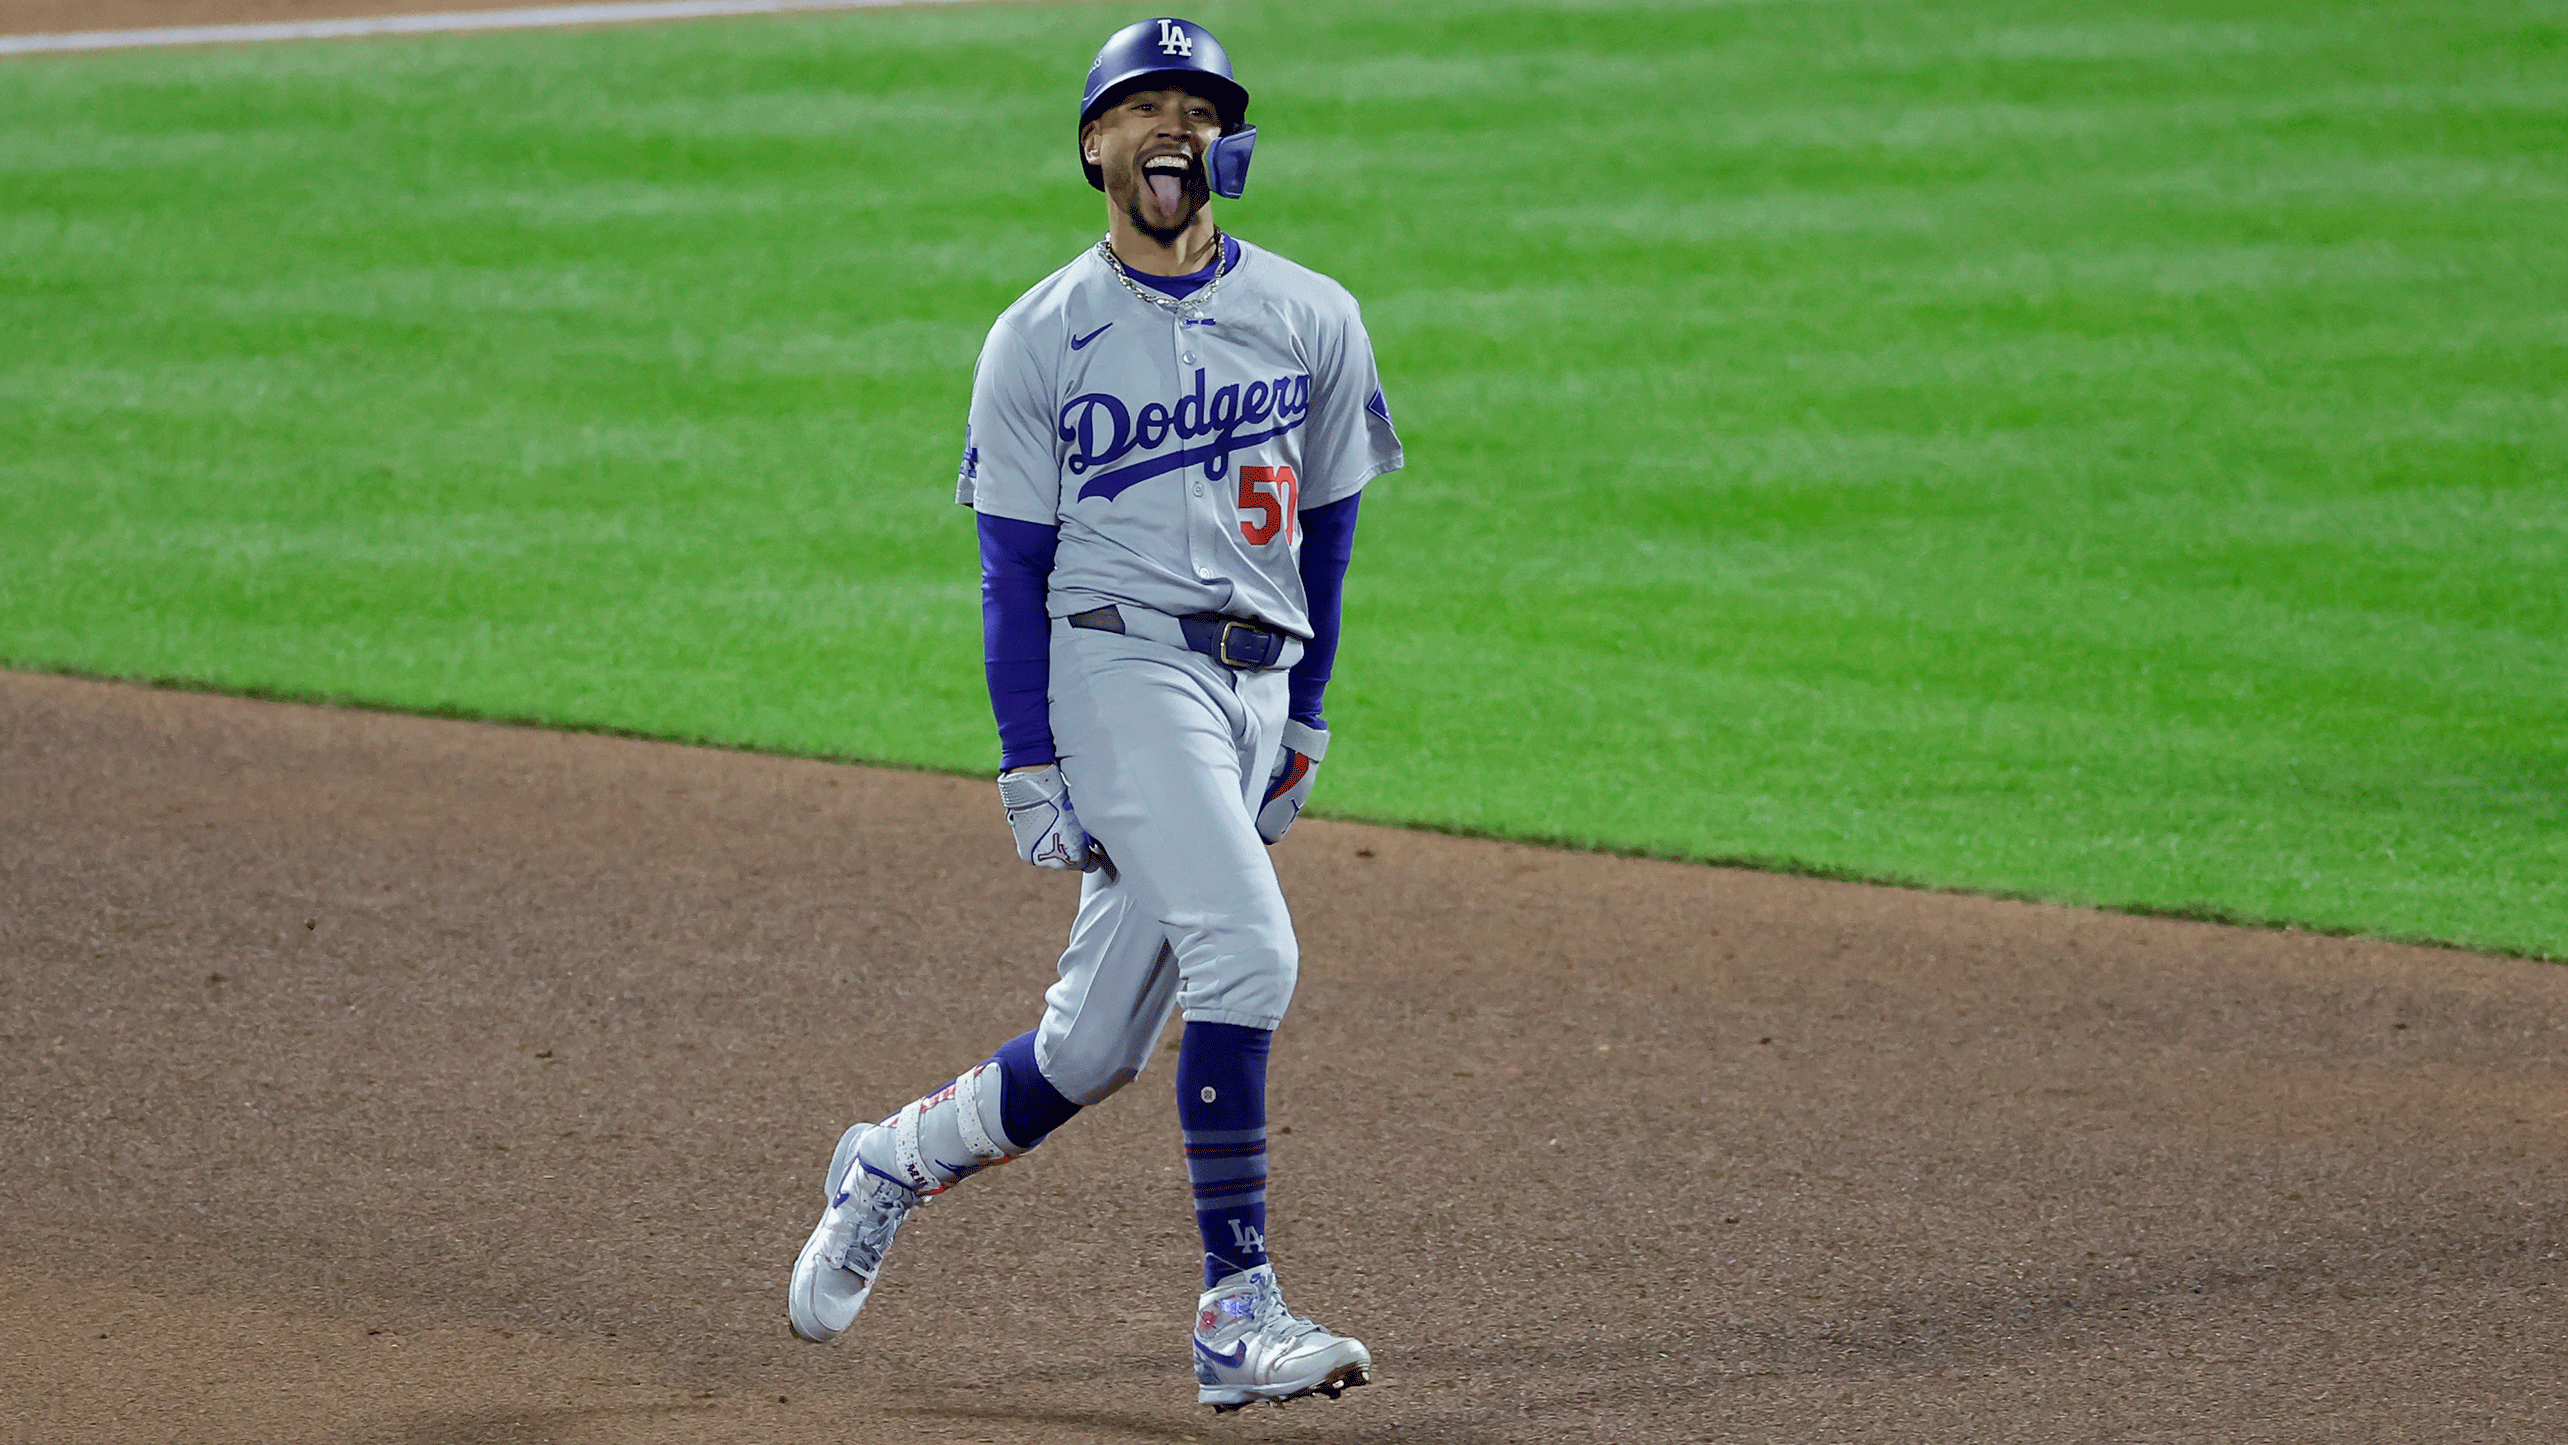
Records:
x=1016, y=635
x=1328, y=544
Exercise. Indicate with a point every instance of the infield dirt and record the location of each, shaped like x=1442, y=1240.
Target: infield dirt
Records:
x=372, y=1078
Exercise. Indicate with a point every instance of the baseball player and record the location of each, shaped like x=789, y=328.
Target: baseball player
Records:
x=1167, y=444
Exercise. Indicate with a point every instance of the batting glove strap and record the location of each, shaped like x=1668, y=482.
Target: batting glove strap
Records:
x=1310, y=742
x=1295, y=771
x=1047, y=832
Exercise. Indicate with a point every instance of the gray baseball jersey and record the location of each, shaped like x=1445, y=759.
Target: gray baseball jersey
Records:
x=1174, y=450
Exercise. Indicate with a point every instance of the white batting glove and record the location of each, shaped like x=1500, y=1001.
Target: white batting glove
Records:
x=1296, y=768
x=1048, y=834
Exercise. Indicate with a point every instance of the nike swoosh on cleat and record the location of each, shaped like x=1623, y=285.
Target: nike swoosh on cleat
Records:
x=1080, y=343
x=1236, y=1358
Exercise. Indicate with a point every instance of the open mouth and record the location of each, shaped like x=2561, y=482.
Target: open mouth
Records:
x=1169, y=178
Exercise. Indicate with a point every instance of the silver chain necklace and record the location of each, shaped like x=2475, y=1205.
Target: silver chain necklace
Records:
x=1188, y=307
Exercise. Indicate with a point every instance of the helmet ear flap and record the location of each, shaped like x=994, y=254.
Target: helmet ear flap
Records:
x=1226, y=162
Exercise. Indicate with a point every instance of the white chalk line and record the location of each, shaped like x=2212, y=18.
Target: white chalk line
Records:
x=534, y=17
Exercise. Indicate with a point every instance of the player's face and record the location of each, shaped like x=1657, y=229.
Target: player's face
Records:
x=1150, y=147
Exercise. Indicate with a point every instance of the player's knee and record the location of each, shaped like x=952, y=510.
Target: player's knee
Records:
x=1283, y=972
x=1090, y=1078
x=1252, y=987
x=1277, y=965
x=1114, y=1081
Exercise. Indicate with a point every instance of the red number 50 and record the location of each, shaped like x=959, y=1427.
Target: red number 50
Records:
x=1274, y=493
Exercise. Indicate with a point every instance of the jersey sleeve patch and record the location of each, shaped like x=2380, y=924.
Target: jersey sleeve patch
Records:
x=1011, y=464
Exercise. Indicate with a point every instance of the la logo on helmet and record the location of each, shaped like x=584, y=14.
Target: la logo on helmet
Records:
x=1173, y=39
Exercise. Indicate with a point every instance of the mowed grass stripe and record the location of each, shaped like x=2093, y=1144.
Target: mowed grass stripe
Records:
x=2107, y=454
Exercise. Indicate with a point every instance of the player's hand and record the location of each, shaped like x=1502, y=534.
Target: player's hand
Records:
x=1048, y=834
x=1296, y=768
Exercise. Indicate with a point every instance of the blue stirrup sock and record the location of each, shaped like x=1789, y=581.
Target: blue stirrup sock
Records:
x=989, y=1114
x=1029, y=1107
x=1221, y=1106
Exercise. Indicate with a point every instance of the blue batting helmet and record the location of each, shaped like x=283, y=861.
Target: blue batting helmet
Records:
x=1177, y=54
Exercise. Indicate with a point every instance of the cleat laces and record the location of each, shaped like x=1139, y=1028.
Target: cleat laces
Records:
x=1277, y=1320
x=884, y=1207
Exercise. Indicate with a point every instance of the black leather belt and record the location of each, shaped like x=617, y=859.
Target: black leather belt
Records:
x=1230, y=641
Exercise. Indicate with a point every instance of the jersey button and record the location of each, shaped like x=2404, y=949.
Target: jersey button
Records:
x=1187, y=360
x=1204, y=572
x=1199, y=489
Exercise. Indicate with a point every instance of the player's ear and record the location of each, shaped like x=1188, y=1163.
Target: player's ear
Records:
x=1088, y=144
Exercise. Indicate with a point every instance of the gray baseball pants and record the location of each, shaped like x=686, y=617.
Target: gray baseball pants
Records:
x=1167, y=755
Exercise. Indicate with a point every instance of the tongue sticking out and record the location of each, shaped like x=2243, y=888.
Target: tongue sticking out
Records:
x=1170, y=188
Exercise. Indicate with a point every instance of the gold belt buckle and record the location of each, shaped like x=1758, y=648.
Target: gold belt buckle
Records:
x=1227, y=629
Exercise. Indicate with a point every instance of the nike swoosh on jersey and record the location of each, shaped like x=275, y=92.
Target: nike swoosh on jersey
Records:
x=1236, y=1358
x=1080, y=343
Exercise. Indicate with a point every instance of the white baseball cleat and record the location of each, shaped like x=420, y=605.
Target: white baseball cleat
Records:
x=1249, y=1347
x=845, y=1252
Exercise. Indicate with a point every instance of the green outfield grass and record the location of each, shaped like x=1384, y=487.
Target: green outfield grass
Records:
x=2109, y=452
